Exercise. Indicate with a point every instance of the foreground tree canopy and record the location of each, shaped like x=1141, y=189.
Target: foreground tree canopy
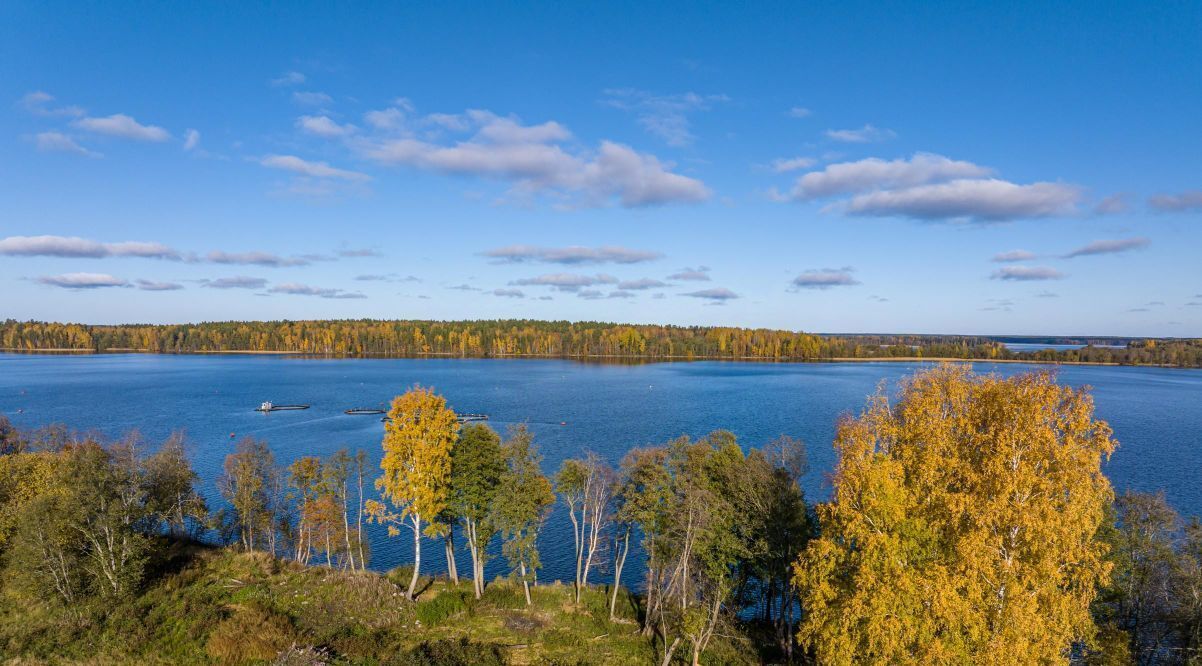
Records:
x=962, y=527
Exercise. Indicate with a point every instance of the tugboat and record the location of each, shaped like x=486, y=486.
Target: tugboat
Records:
x=364, y=410
x=270, y=407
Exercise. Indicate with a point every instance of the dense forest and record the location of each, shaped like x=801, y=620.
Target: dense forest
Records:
x=490, y=338
x=969, y=522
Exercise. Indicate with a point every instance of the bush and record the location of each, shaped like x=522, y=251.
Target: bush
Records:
x=250, y=634
x=449, y=603
x=450, y=652
x=501, y=595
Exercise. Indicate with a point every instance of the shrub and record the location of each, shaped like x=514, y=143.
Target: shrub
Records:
x=448, y=603
x=450, y=652
x=500, y=595
x=250, y=634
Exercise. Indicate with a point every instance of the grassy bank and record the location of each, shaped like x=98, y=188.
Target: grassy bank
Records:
x=213, y=605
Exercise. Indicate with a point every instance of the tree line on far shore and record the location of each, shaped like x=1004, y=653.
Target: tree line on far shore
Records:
x=969, y=522
x=491, y=338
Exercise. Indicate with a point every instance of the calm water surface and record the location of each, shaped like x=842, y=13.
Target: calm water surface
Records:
x=571, y=407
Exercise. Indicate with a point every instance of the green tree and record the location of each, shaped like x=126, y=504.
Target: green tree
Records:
x=524, y=506
x=171, y=489
x=477, y=467
x=248, y=484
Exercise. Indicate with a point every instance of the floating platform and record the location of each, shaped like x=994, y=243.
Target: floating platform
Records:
x=280, y=408
x=462, y=418
x=364, y=410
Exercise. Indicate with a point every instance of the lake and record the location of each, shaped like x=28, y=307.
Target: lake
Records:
x=570, y=406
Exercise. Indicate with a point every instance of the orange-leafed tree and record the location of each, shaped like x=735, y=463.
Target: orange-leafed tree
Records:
x=416, y=467
x=963, y=526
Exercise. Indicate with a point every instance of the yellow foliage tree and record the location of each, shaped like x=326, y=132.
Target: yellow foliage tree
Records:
x=416, y=466
x=962, y=526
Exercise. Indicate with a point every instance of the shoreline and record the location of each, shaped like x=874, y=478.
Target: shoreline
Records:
x=613, y=357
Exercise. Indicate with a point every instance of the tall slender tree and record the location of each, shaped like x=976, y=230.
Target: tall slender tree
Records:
x=523, y=507
x=477, y=467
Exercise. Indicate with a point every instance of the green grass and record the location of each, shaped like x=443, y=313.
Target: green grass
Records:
x=207, y=605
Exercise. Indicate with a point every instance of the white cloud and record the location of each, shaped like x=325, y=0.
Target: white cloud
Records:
x=1027, y=273
x=799, y=112
x=825, y=278
x=1189, y=200
x=123, y=126
x=566, y=281
x=786, y=164
x=57, y=142
x=150, y=285
x=73, y=246
x=191, y=139
x=308, y=168
x=1109, y=247
x=38, y=103
x=1013, y=255
x=255, y=259
x=874, y=173
x=385, y=119
x=866, y=134
x=297, y=289
x=1113, y=204
x=716, y=294
x=530, y=158
x=641, y=284
x=699, y=274
x=236, y=282
x=83, y=281
x=293, y=78
x=665, y=116
x=987, y=200
x=570, y=255
x=323, y=126
x=311, y=98
x=509, y=293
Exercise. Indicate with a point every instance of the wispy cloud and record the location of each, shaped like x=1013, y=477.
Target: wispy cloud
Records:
x=309, y=98
x=1112, y=205
x=292, y=78
x=716, y=294
x=38, y=103
x=151, y=285
x=865, y=134
x=323, y=126
x=641, y=284
x=191, y=139
x=786, y=164
x=664, y=116
x=1013, y=255
x=509, y=293
x=236, y=282
x=83, y=281
x=1027, y=273
x=1109, y=247
x=465, y=287
x=699, y=274
x=825, y=278
x=57, y=142
x=297, y=289
x=572, y=255
x=1189, y=200
x=309, y=168
x=254, y=259
x=532, y=159
x=123, y=126
x=566, y=281
x=73, y=246
x=799, y=112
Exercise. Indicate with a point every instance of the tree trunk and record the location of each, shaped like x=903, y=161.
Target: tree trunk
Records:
x=346, y=528
x=449, y=542
x=613, y=600
x=668, y=652
x=417, y=556
x=359, y=535
x=525, y=584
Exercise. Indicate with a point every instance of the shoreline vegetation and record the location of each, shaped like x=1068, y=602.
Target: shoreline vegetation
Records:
x=974, y=490
x=589, y=341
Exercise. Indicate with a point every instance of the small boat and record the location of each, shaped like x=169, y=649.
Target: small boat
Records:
x=270, y=407
x=364, y=410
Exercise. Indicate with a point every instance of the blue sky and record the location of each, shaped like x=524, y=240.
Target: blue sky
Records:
x=847, y=167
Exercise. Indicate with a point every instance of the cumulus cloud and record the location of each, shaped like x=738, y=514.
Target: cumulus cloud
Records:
x=874, y=173
x=75, y=247
x=988, y=200
x=83, y=281
x=308, y=168
x=123, y=126
x=716, y=294
x=570, y=255
x=150, y=285
x=297, y=289
x=38, y=103
x=236, y=282
x=1190, y=200
x=866, y=134
x=664, y=116
x=1109, y=247
x=532, y=160
x=1013, y=255
x=191, y=139
x=565, y=281
x=699, y=274
x=311, y=98
x=57, y=142
x=288, y=79
x=786, y=164
x=509, y=293
x=641, y=284
x=323, y=126
x=825, y=278
x=1027, y=273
